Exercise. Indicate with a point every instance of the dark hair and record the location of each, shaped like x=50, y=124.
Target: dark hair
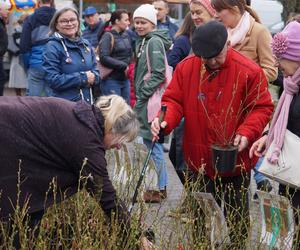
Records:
x=219, y=5
x=187, y=28
x=117, y=15
x=51, y=2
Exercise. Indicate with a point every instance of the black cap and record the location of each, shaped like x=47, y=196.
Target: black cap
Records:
x=209, y=39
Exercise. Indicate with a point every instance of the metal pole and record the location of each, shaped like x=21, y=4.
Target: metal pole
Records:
x=180, y=11
x=80, y=8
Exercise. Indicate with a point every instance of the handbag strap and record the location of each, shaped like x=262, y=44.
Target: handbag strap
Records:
x=148, y=58
x=112, y=43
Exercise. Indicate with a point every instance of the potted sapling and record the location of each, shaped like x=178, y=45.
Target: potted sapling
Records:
x=225, y=115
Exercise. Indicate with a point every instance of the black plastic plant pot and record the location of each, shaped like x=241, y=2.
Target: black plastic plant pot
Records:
x=224, y=158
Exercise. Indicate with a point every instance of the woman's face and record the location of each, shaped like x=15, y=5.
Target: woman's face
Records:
x=67, y=24
x=143, y=26
x=228, y=17
x=199, y=14
x=112, y=141
x=287, y=67
x=124, y=22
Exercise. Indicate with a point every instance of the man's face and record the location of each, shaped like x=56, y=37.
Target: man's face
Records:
x=162, y=10
x=92, y=20
x=217, y=61
x=4, y=12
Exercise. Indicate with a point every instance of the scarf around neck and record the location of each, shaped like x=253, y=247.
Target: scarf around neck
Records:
x=238, y=33
x=279, y=122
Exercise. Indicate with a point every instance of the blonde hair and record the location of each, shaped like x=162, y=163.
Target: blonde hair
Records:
x=119, y=117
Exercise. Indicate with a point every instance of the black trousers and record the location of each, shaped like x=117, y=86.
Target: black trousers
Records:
x=234, y=192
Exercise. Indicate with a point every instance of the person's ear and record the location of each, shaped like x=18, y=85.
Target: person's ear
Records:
x=236, y=9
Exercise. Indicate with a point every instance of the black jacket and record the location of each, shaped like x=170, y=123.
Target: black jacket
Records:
x=50, y=138
x=3, y=39
x=294, y=116
x=118, y=57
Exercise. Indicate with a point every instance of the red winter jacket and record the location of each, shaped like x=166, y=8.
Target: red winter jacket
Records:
x=234, y=100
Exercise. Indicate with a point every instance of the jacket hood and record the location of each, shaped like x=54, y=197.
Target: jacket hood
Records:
x=44, y=14
x=163, y=35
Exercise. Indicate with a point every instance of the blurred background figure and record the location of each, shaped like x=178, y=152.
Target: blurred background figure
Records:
x=115, y=53
x=3, y=42
x=163, y=20
x=94, y=25
x=69, y=61
x=17, y=74
x=35, y=34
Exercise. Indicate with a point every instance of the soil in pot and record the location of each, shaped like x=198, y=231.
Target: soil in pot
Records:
x=224, y=158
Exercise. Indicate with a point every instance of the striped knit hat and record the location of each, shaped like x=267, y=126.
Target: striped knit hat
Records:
x=206, y=4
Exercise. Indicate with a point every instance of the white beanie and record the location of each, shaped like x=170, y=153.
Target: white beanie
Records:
x=146, y=11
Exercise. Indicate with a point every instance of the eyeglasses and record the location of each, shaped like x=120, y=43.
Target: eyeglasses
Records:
x=67, y=21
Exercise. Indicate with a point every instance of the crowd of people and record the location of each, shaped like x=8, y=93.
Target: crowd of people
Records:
x=97, y=82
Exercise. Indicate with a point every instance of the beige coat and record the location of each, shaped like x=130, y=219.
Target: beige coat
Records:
x=256, y=46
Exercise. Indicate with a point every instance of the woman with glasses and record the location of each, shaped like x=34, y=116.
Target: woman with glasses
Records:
x=69, y=60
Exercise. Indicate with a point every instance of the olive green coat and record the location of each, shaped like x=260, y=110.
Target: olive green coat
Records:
x=143, y=90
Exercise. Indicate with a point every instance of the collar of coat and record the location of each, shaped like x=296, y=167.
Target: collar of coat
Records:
x=91, y=116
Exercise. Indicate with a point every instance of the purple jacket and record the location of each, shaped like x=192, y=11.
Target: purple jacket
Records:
x=50, y=138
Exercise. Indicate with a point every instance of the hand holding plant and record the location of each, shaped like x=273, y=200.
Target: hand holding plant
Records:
x=241, y=142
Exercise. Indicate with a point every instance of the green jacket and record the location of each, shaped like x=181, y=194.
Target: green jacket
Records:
x=144, y=91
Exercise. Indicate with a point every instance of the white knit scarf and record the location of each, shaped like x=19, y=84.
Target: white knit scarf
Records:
x=238, y=33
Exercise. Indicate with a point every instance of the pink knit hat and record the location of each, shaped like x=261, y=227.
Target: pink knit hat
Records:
x=286, y=44
x=206, y=4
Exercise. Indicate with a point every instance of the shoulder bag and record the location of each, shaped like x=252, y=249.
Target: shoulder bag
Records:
x=154, y=102
x=287, y=170
x=103, y=70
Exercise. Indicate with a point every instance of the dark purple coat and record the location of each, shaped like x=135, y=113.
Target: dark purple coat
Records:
x=50, y=138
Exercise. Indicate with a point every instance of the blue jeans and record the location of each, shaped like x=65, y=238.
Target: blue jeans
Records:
x=257, y=175
x=160, y=163
x=121, y=88
x=37, y=86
